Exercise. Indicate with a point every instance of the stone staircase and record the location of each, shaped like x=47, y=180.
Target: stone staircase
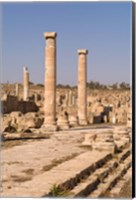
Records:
x=99, y=178
x=90, y=174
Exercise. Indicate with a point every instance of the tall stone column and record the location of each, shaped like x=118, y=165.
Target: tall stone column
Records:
x=26, y=84
x=82, y=93
x=50, y=81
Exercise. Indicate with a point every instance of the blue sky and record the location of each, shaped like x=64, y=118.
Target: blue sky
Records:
x=104, y=28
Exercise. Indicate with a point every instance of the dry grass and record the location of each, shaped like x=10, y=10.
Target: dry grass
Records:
x=58, y=191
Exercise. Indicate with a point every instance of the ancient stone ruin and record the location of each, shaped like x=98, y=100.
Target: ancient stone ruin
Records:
x=70, y=142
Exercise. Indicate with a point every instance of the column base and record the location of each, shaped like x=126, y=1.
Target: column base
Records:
x=62, y=121
x=64, y=127
x=111, y=147
x=50, y=127
x=73, y=124
x=83, y=122
x=89, y=138
x=73, y=121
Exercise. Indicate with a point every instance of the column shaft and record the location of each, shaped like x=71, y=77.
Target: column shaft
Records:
x=26, y=84
x=50, y=80
x=17, y=90
x=82, y=94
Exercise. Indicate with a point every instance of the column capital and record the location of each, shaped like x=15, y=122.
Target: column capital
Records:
x=82, y=51
x=25, y=68
x=50, y=35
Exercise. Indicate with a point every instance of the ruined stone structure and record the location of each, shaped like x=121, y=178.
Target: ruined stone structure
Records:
x=82, y=95
x=11, y=103
x=26, y=84
x=62, y=159
x=50, y=81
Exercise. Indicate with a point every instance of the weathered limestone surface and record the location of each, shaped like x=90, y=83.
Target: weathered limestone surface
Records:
x=43, y=180
x=62, y=121
x=26, y=84
x=82, y=94
x=36, y=157
x=19, y=122
x=104, y=141
x=50, y=81
x=26, y=173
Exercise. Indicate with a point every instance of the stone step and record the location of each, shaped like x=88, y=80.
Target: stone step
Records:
x=115, y=191
x=67, y=174
x=124, y=154
x=85, y=172
x=91, y=182
x=121, y=145
x=23, y=136
x=111, y=180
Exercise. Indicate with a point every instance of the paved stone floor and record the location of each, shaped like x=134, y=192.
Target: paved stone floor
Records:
x=22, y=162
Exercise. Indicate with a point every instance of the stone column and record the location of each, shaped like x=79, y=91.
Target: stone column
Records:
x=26, y=84
x=82, y=94
x=35, y=97
x=17, y=90
x=70, y=98
x=66, y=98
x=50, y=81
x=73, y=100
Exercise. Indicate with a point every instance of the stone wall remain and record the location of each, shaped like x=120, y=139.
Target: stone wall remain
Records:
x=13, y=104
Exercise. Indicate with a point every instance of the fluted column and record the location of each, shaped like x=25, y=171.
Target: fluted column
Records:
x=50, y=81
x=82, y=94
x=26, y=84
